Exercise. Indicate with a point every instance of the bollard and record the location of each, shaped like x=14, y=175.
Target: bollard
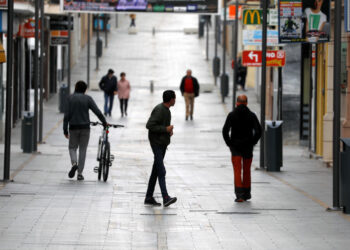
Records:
x=224, y=88
x=216, y=66
x=99, y=47
x=345, y=175
x=27, y=136
x=273, y=146
x=63, y=95
x=151, y=86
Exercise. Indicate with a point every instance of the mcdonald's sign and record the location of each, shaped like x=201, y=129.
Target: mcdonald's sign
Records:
x=252, y=16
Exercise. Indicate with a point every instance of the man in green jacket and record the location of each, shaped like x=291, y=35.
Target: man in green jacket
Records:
x=159, y=133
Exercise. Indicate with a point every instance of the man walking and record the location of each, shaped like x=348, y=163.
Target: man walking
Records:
x=159, y=133
x=245, y=133
x=189, y=88
x=108, y=84
x=77, y=116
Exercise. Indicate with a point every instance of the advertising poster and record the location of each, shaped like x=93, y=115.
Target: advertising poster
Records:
x=304, y=21
x=172, y=6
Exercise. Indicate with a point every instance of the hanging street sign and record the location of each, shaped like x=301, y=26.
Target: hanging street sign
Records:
x=274, y=58
x=169, y=6
x=232, y=12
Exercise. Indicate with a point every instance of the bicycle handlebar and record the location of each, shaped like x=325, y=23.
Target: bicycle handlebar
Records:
x=108, y=125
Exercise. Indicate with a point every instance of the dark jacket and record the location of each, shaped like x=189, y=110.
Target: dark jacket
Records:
x=245, y=131
x=108, y=85
x=160, y=119
x=242, y=70
x=77, y=112
x=195, y=86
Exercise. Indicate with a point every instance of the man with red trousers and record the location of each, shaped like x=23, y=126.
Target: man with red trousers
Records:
x=241, y=132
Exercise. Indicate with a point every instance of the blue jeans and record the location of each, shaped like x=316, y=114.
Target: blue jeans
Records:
x=158, y=171
x=110, y=98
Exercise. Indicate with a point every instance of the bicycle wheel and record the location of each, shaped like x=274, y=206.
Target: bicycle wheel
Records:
x=101, y=161
x=105, y=166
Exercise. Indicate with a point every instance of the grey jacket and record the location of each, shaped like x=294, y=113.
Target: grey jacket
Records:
x=77, y=112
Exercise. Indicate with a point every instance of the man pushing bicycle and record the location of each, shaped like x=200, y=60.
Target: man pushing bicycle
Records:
x=77, y=116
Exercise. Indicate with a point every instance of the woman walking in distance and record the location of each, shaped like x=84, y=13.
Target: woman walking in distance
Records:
x=123, y=94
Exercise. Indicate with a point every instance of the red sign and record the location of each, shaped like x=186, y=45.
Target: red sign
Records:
x=274, y=58
x=3, y=3
x=232, y=12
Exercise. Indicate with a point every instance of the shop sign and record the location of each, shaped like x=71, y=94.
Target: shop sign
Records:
x=304, y=21
x=2, y=54
x=255, y=16
x=274, y=58
x=254, y=37
x=174, y=6
x=252, y=16
x=59, y=37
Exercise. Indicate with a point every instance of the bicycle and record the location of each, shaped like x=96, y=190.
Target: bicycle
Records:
x=104, y=156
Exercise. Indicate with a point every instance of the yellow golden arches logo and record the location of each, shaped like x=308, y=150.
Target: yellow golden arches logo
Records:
x=254, y=16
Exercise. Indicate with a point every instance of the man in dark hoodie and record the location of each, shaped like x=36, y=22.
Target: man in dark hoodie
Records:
x=245, y=133
x=77, y=116
x=108, y=84
x=159, y=133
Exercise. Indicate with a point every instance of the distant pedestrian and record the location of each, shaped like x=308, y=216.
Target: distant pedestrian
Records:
x=123, y=93
x=132, y=20
x=189, y=88
x=241, y=132
x=78, y=120
x=108, y=84
x=241, y=73
x=159, y=133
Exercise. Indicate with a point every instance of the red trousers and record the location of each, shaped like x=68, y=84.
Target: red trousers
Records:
x=242, y=185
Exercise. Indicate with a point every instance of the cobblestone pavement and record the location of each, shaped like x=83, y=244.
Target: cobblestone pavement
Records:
x=44, y=209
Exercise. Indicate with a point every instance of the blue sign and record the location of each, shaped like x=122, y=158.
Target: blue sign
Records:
x=3, y=21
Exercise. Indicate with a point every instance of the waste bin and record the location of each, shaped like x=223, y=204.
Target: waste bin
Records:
x=62, y=99
x=273, y=146
x=27, y=136
x=216, y=66
x=345, y=175
x=99, y=47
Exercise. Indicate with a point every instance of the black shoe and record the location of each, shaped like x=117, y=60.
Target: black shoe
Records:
x=122, y=114
x=247, y=197
x=186, y=118
x=168, y=201
x=80, y=177
x=151, y=201
x=191, y=117
x=105, y=113
x=126, y=114
x=72, y=171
